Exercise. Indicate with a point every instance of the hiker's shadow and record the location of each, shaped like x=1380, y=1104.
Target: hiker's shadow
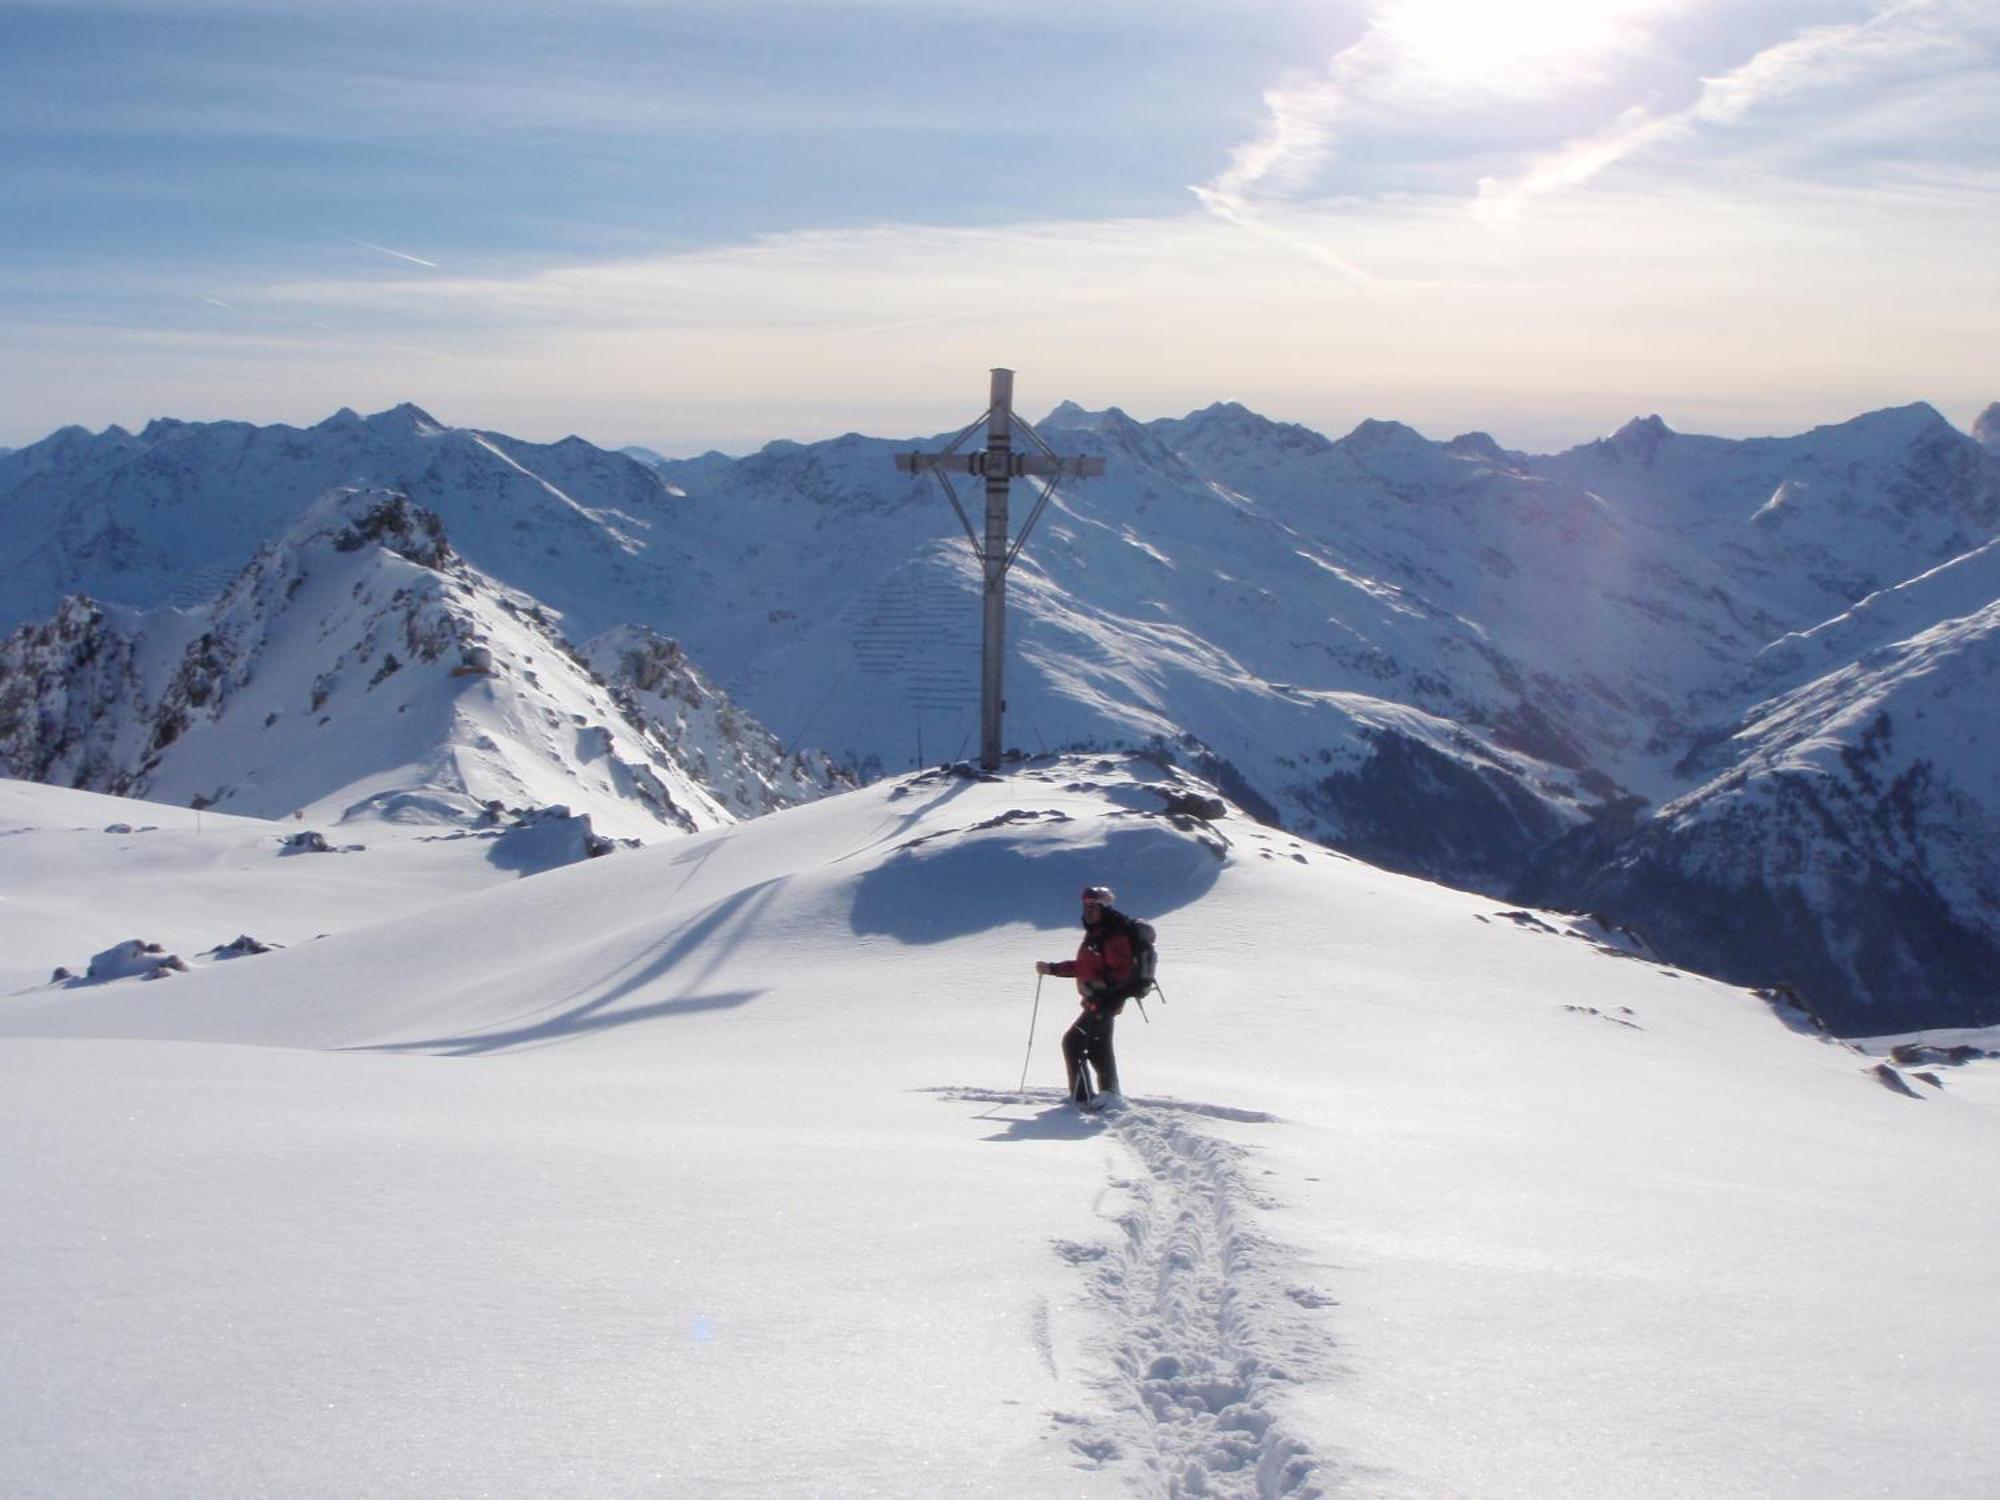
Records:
x=1056, y=1122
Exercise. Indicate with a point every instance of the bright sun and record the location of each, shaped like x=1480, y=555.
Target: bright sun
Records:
x=1523, y=47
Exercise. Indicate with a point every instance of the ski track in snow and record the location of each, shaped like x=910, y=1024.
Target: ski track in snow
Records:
x=1208, y=1327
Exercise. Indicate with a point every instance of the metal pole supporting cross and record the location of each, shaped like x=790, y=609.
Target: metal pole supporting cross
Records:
x=998, y=464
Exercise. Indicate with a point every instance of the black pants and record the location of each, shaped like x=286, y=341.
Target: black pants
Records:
x=1089, y=1040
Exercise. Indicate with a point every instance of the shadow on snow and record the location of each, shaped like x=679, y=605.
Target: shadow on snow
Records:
x=715, y=934
x=973, y=880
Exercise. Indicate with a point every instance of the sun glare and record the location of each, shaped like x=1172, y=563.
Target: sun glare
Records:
x=1522, y=48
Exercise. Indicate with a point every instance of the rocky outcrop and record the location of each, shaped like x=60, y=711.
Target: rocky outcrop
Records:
x=746, y=766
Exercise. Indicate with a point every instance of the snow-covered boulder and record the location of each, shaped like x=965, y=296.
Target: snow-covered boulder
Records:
x=546, y=838
x=134, y=958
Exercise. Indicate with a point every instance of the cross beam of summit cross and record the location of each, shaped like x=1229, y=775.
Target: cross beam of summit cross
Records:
x=998, y=463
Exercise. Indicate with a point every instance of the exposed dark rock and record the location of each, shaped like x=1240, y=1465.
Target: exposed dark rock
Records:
x=1891, y=1080
x=242, y=947
x=1414, y=809
x=1921, y=1054
x=1194, y=805
x=409, y=530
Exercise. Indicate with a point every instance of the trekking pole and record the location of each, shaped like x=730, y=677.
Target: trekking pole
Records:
x=1032, y=1018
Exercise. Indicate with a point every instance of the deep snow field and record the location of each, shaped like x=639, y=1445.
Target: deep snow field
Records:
x=701, y=1170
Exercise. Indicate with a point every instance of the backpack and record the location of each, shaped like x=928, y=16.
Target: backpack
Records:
x=1145, y=959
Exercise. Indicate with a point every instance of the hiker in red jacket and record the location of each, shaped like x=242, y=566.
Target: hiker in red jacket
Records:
x=1102, y=969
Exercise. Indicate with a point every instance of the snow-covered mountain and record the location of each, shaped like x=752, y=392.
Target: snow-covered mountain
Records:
x=1517, y=672
x=709, y=1170
x=358, y=667
x=1845, y=840
x=168, y=516
x=1986, y=428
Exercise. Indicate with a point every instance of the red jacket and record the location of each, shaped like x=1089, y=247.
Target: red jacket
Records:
x=1104, y=959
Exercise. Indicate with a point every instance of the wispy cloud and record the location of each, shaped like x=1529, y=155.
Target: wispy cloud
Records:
x=1415, y=58
x=1473, y=330
x=415, y=260
x=1909, y=36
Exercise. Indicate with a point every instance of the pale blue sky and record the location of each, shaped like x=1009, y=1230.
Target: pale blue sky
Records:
x=716, y=223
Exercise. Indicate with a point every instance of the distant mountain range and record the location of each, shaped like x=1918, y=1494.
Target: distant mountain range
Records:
x=1734, y=693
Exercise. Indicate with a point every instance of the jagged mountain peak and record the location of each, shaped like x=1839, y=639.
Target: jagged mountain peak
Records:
x=1376, y=433
x=1234, y=410
x=1112, y=432
x=1483, y=447
x=1134, y=451
x=75, y=436
x=1641, y=438
x=1069, y=414
x=1393, y=453
x=1113, y=425
x=407, y=416
x=1225, y=424
x=1909, y=420
x=1112, y=422
x=1643, y=429
x=1986, y=428
x=1231, y=417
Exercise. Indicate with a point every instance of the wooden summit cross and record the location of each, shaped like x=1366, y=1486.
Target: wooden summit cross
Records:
x=998, y=463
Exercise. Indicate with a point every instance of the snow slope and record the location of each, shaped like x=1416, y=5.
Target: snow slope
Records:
x=80, y=871
x=702, y=1170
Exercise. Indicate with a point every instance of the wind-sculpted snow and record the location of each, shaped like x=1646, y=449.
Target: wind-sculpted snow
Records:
x=996, y=873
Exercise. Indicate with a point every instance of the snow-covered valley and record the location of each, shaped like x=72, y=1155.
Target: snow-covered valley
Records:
x=703, y=1169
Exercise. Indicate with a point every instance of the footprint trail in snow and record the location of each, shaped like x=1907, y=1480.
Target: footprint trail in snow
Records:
x=1208, y=1327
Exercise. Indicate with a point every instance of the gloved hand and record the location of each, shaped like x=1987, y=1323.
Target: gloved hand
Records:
x=1041, y=966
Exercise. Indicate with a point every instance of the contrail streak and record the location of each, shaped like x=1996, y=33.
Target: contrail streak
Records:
x=416, y=260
